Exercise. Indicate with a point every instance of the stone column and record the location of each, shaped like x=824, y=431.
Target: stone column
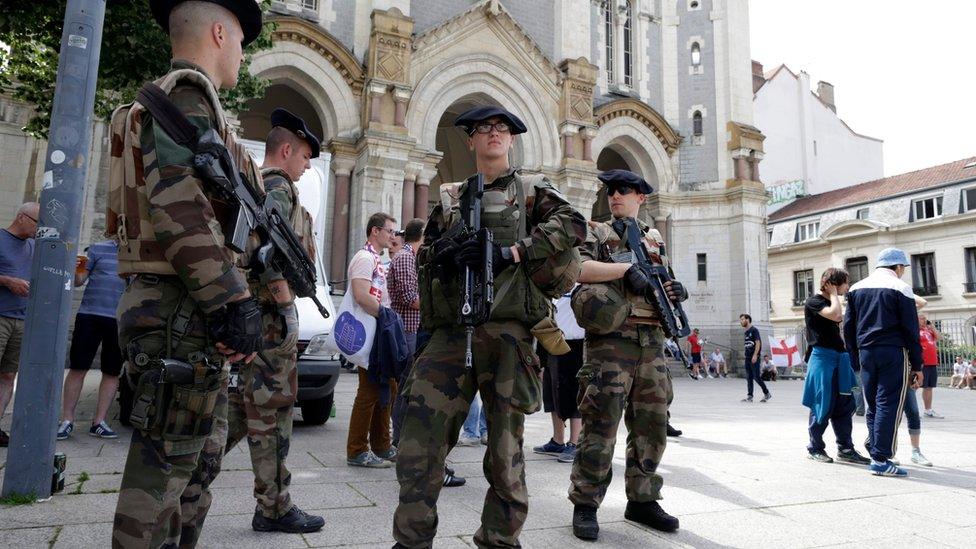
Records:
x=754, y=160
x=588, y=135
x=567, y=136
x=620, y=20
x=376, y=93
x=401, y=96
x=342, y=168
x=408, y=198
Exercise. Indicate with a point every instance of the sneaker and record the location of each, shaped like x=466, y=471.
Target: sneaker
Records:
x=710, y=376
x=4, y=439
x=822, y=457
x=569, y=454
x=369, y=459
x=933, y=414
x=64, y=430
x=725, y=375
x=649, y=513
x=451, y=480
x=551, y=448
x=767, y=397
x=468, y=441
x=850, y=455
x=693, y=376
x=919, y=459
x=484, y=439
x=886, y=469
x=747, y=399
x=102, y=430
x=294, y=521
x=585, y=525
x=701, y=376
x=896, y=462
x=672, y=432
x=388, y=455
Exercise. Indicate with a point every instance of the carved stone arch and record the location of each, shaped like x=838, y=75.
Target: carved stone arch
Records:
x=852, y=227
x=310, y=35
x=300, y=66
x=645, y=115
x=460, y=77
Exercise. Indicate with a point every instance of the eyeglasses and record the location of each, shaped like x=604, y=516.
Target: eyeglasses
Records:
x=485, y=127
x=622, y=191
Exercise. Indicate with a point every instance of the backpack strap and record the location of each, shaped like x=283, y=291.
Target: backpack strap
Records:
x=168, y=115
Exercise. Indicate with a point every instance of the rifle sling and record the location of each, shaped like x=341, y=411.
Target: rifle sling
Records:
x=168, y=115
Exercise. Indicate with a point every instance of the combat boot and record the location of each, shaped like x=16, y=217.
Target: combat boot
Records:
x=585, y=525
x=294, y=521
x=649, y=513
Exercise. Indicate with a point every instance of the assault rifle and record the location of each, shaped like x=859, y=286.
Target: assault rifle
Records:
x=280, y=248
x=674, y=322
x=478, y=287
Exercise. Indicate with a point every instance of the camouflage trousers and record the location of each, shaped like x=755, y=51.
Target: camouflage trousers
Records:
x=165, y=493
x=622, y=377
x=438, y=393
x=261, y=409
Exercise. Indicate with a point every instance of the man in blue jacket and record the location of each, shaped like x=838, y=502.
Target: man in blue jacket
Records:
x=881, y=332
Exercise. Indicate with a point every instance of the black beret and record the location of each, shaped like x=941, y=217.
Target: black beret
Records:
x=624, y=178
x=469, y=118
x=248, y=14
x=281, y=117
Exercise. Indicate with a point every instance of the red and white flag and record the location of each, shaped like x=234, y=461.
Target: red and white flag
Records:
x=785, y=351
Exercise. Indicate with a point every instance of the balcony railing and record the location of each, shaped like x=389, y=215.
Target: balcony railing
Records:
x=926, y=290
x=970, y=287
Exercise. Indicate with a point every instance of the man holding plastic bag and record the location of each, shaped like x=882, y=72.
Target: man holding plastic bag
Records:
x=369, y=443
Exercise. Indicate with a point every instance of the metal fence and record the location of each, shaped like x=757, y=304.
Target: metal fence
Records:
x=958, y=338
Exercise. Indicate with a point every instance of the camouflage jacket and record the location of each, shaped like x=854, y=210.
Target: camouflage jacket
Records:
x=166, y=219
x=602, y=241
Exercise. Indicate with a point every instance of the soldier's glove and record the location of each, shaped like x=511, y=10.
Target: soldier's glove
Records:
x=237, y=325
x=469, y=255
x=676, y=291
x=636, y=280
x=445, y=251
x=289, y=313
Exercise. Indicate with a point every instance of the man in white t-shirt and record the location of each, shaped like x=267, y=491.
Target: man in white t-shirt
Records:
x=369, y=424
x=960, y=373
x=717, y=362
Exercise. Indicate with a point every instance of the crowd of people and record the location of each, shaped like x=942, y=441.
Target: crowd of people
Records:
x=571, y=328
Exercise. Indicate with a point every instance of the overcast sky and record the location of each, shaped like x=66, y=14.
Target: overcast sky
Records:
x=903, y=71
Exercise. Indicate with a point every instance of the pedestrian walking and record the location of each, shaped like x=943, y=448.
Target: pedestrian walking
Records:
x=542, y=235
x=753, y=347
x=880, y=328
x=95, y=326
x=827, y=389
x=695, y=349
x=625, y=374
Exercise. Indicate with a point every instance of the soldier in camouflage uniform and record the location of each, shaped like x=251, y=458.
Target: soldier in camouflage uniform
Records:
x=262, y=393
x=625, y=373
x=505, y=368
x=188, y=300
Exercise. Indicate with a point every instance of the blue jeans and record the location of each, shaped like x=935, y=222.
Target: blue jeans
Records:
x=911, y=413
x=476, y=425
x=752, y=374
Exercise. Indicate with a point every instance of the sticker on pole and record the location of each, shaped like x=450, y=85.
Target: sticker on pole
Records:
x=76, y=41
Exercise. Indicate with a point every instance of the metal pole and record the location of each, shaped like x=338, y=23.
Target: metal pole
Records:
x=30, y=459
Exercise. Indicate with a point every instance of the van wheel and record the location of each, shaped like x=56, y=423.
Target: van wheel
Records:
x=317, y=412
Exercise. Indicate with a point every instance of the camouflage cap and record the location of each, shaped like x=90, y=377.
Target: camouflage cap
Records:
x=600, y=308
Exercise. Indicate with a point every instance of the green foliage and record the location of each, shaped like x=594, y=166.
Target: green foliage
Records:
x=19, y=499
x=134, y=51
x=84, y=477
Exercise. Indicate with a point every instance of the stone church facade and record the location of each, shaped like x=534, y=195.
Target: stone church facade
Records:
x=660, y=87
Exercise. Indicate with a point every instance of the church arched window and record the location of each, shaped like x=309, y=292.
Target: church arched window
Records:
x=608, y=32
x=695, y=54
x=696, y=123
x=626, y=13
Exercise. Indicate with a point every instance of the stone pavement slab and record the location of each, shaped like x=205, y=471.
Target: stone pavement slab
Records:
x=739, y=477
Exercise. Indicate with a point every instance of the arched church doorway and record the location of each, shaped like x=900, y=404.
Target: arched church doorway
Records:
x=256, y=117
x=458, y=162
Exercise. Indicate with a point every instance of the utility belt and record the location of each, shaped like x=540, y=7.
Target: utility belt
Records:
x=173, y=399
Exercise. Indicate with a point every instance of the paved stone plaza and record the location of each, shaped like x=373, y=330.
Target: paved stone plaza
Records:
x=737, y=478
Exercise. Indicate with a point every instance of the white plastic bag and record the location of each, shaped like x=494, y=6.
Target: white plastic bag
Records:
x=353, y=332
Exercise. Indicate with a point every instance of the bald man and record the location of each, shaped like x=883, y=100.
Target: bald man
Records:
x=189, y=299
x=16, y=251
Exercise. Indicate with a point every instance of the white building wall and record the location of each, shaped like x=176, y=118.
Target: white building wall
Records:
x=807, y=141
